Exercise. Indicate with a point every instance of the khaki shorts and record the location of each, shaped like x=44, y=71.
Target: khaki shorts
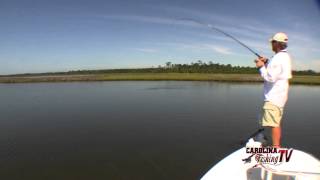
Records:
x=271, y=115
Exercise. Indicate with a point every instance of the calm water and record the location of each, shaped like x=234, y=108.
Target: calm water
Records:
x=137, y=130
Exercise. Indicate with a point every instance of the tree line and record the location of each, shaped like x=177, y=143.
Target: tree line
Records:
x=169, y=67
x=194, y=67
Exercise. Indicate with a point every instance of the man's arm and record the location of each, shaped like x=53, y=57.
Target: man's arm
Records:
x=269, y=73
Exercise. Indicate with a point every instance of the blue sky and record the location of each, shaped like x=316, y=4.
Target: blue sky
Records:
x=63, y=35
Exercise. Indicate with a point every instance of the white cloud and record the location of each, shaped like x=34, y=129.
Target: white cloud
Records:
x=146, y=50
x=219, y=49
x=205, y=47
x=247, y=34
x=152, y=19
x=255, y=34
x=303, y=65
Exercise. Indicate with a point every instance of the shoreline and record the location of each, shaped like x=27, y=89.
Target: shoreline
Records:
x=246, y=78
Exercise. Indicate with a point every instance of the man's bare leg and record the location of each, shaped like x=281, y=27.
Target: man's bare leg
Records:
x=276, y=136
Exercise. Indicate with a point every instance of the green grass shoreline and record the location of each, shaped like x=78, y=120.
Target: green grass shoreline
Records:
x=297, y=79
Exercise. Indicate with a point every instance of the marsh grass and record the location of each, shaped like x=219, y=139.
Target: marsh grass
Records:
x=310, y=80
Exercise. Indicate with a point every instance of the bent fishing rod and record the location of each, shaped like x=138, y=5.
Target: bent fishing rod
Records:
x=221, y=31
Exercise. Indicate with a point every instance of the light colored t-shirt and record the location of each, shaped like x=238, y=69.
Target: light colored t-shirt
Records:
x=276, y=74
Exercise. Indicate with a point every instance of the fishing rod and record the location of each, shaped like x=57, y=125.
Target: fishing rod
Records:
x=256, y=135
x=224, y=33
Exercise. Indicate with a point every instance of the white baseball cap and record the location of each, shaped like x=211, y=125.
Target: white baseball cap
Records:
x=280, y=37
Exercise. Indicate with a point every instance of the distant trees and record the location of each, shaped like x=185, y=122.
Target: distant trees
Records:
x=210, y=67
x=194, y=67
x=306, y=72
x=168, y=64
x=203, y=67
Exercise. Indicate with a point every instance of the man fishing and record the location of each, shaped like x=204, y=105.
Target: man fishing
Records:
x=276, y=73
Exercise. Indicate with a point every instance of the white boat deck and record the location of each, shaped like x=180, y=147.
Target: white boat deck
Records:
x=301, y=166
